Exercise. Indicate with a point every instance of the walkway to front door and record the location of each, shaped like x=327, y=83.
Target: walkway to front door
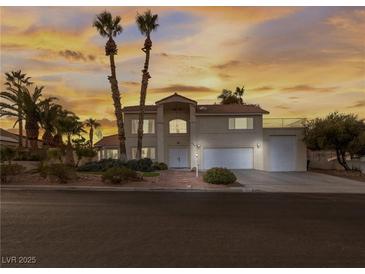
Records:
x=178, y=158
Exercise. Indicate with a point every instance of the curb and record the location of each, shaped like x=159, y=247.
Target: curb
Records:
x=122, y=189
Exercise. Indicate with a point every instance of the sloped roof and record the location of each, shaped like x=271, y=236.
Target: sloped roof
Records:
x=176, y=95
x=148, y=108
x=106, y=141
x=230, y=109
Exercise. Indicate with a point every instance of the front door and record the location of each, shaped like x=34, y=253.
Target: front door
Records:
x=178, y=158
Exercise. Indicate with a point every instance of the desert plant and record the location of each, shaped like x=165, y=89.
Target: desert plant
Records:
x=117, y=175
x=9, y=170
x=60, y=172
x=219, y=175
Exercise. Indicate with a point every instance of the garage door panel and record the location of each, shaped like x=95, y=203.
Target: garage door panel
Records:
x=283, y=153
x=233, y=158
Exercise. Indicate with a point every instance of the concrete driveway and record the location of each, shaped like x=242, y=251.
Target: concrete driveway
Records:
x=309, y=182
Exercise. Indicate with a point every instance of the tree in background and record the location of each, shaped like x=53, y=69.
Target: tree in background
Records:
x=229, y=97
x=110, y=27
x=49, y=114
x=344, y=133
x=92, y=124
x=15, y=80
x=146, y=23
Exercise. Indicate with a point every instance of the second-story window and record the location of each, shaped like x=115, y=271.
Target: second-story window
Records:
x=148, y=126
x=178, y=126
x=240, y=123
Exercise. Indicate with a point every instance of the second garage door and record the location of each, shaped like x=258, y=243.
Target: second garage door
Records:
x=233, y=158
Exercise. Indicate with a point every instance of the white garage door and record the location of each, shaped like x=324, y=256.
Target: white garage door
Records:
x=282, y=153
x=233, y=158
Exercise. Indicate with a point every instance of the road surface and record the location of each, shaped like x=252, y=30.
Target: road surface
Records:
x=144, y=229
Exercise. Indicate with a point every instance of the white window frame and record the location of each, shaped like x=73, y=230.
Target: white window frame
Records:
x=134, y=125
x=232, y=123
x=113, y=151
x=134, y=153
x=186, y=126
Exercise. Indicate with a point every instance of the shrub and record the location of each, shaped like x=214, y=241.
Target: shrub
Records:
x=84, y=152
x=117, y=175
x=132, y=164
x=7, y=154
x=55, y=153
x=159, y=166
x=218, y=175
x=102, y=165
x=145, y=165
x=61, y=172
x=8, y=170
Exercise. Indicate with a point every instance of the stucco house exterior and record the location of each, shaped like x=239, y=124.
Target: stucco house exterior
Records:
x=182, y=133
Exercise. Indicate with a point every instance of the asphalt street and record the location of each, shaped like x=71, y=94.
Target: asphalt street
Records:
x=161, y=229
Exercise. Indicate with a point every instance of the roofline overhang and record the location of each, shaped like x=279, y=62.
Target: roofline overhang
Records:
x=229, y=114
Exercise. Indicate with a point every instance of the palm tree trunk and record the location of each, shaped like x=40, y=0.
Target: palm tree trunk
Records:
x=69, y=158
x=117, y=109
x=32, y=131
x=91, y=136
x=142, y=102
x=20, y=131
x=47, y=138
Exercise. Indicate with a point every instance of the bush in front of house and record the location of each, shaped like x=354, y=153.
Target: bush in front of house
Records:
x=159, y=166
x=144, y=165
x=219, y=175
x=7, y=154
x=59, y=172
x=118, y=175
x=101, y=166
x=9, y=170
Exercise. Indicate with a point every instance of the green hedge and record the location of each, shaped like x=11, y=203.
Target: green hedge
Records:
x=219, y=175
x=117, y=175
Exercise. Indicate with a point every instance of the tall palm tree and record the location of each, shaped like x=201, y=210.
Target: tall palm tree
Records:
x=228, y=97
x=147, y=22
x=110, y=27
x=48, y=117
x=92, y=124
x=14, y=81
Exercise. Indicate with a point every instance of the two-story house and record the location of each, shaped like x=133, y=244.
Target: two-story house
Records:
x=181, y=133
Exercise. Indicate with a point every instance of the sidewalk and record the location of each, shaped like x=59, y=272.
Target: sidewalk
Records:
x=122, y=188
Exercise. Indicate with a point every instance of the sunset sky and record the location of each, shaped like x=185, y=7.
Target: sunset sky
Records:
x=294, y=62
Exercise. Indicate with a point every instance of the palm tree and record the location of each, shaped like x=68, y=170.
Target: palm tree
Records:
x=32, y=109
x=110, y=27
x=49, y=115
x=92, y=124
x=70, y=125
x=239, y=94
x=228, y=97
x=147, y=23
x=14, y=81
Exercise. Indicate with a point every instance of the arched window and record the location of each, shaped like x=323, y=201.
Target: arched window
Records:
x=177, y=126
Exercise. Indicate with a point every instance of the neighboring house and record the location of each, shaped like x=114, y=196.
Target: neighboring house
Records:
x=10, y=139
x=231, y=136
